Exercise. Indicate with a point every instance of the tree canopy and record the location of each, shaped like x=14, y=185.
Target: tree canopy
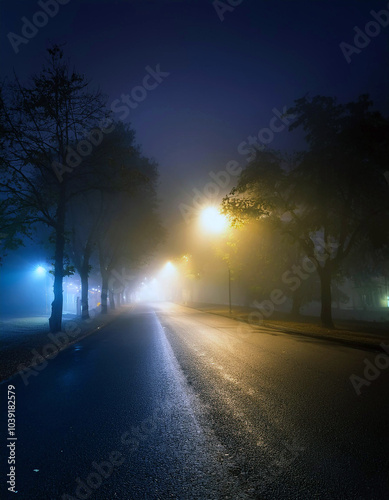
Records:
x=61, y=152
x=328, y=197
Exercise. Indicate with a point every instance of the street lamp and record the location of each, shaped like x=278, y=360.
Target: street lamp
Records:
x=40, y=270
x=169, y=268
x=212, y=221
x=167, y=278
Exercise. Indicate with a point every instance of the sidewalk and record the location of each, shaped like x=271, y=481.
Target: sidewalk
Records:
x=25, y=341
x=361, y=334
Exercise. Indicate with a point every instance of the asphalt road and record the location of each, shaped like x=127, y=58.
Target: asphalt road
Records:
x=169, y=402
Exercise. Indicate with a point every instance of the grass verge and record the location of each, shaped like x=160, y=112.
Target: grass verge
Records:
x=365, y=334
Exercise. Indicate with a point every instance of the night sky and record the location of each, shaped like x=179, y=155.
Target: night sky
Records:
x=225, y=76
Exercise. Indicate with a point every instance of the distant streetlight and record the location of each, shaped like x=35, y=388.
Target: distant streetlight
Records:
x=163, y=285
x=40, y=271
x=169, y=268
x=212, y=221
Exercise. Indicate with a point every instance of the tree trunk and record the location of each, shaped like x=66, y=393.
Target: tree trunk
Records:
x=84, y=292
x=297, y=300
x=104, y=292
x=84, y=275
x=111, y=299
x=326, y=298
x=55, y=320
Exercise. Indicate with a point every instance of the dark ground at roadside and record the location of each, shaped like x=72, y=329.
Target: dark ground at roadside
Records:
x=24, y=341
x=367, y=334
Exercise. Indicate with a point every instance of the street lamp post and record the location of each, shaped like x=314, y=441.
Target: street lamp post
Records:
x=229, y=289
x=214, y=222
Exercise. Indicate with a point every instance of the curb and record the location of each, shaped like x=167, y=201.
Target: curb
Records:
x=60, y=349
x=348, y=343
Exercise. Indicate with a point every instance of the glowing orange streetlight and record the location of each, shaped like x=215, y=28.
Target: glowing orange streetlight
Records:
x=213, y=221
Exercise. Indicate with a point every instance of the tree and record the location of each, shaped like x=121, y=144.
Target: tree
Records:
x=340, y=180
x=130, y=228
x=45, y=119
x=328, y=197
x=12, y=221
x=111, y=171
x=265, y=259
x=373, y=252
x=83, y=225
x=12, y=228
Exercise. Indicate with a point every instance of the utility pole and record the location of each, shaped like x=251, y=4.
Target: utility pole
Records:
x=229, y=289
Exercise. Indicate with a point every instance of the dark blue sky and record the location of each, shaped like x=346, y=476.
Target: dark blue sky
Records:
x=225, y=77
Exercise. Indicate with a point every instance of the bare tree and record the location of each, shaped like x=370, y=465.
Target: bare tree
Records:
x=45, y=121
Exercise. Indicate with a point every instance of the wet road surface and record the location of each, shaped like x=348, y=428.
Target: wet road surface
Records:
x=170, y=402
